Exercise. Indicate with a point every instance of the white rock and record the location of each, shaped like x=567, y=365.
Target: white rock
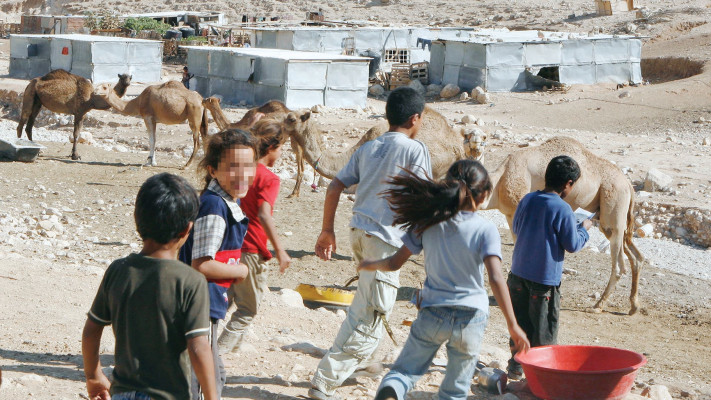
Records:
x=468, y=119
x=31, y=378
x=317, y=108
x=417, y=85
x=341, y=314
x=121, y=148
x=463, y=96
x=291, y=298
x=658, y=392
x=306, y=348
x=433, y=89
x=449, y=91
x=376, y=90
x=656, y=180
x=46, y=225
x=706, y=141
x=624, y=94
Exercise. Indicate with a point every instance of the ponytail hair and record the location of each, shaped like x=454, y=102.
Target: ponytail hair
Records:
x=419, y=203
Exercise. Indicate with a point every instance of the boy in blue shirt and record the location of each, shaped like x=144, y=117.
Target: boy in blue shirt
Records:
x=545, y=228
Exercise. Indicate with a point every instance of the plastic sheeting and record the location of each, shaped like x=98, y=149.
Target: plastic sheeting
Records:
x=299, y=79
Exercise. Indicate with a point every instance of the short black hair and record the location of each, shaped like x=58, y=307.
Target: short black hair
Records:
x=165, y=206
x=403, y=103
x=560, y=170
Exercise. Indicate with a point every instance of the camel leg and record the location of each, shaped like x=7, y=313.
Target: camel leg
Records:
x=151, y=126
x=29, y=116
x=616, y=254
x=78, y=122
x=635, y=265
x=298, y=151
x=196, y=144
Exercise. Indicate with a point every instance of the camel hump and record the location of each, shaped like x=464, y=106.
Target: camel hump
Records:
x=273, y=106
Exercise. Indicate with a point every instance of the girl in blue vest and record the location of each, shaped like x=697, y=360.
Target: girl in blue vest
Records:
x=459, y=244
x=214, y=245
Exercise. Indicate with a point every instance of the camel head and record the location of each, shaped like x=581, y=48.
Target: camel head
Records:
x=124, y=79
x=210, y=102
x=296, y=123
x=474, y=142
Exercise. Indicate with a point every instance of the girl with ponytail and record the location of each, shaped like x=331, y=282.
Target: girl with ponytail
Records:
x=441, y=218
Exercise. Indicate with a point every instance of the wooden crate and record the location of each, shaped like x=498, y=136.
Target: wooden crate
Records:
x=399, y=75
x=421, y=72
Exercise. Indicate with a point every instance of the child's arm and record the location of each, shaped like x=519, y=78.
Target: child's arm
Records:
x=97, y=385
x=503, y=299
x=392, y=263
x=213, y=269
x=265, y=217
x=326, y=242
x=201, y=359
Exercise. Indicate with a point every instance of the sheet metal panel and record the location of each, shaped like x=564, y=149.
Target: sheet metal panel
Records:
x=474, y=55
x=109, y=52
x=202, y=85
x=264, y=93
x=636, y=72
x=143, y=72
x=306, y=40
x=242, y=67
x=504, y=54
x=27, y=68
x=346, y=98
x=368, y=39
x=103, y=73
x=285, y=40
x=347, y=76
x=505, y=79
x=542, y=53
x=59, y=60
x=220, y=64
x=199, y=62
x=81, y=51
x=305, y=75
x=223, y=87
x=611, y=51
x=144, y=53
x=469, y=78
x=635, y=46
x=303, y=98
x=575, y=52
x=577, y=74
x=613, y=72
x=269, y=71
x=332, y=41
x=267, y=39
x=450, y=74
x=437, y=62
x=454, y=53
x=20, y=47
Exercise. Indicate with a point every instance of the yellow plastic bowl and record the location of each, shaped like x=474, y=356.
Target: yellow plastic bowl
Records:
x=326, y=295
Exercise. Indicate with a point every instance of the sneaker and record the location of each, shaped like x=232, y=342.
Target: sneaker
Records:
x=316, y=394
x=386, y=393
x=514, y=375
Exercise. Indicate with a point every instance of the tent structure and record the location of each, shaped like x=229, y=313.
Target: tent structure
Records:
x=497, y=61
x=98, y=58
x=298, y=78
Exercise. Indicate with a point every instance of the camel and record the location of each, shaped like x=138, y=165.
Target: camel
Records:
x=443, y=142
x=274, y=109
x=168, y=103
x=602, y=188
x=64, y=93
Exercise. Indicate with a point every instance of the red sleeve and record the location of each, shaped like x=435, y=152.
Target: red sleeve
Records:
x=268, y=192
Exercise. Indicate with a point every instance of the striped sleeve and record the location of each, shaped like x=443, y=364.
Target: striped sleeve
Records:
x=208, y=235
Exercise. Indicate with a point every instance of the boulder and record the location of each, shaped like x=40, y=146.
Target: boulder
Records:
x=376, y=90
x=433, y=89
x=417, y=85
x=656, y=180
x=317, y=108
x=291, y=298
x=449, y=91
x=480, y=95
x=464, y=96
x=468, y=119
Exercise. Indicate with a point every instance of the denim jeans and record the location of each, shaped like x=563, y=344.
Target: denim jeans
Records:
x=461, y=328
x=360, y=333
x=131, y=396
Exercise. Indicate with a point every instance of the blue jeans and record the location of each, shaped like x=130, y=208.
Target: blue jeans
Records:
x=131, y=396
x=462, y=328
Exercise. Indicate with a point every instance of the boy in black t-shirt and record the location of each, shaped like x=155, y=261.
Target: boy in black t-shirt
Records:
x=158, y=307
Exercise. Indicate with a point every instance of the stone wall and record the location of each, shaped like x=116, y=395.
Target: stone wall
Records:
x=688, y=225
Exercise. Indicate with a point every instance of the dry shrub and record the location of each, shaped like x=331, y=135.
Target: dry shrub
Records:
x=665, y=69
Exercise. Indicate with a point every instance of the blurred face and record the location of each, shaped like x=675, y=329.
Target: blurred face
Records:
x=272, y=156
x=235, y=172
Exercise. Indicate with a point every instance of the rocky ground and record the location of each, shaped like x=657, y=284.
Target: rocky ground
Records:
x=63, y=221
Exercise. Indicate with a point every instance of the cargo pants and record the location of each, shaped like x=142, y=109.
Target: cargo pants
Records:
x=362, y=329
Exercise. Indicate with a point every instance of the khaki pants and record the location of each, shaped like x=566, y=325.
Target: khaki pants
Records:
x=360, y=333
x=246, y=295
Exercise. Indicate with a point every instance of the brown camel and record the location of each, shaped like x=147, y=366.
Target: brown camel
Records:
x=64, y=93
x=168, y=103
x=602, y=188
x=443, y=142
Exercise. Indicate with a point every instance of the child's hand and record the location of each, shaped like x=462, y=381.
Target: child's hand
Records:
x=98, y=387
x=284, y=260
x=325, y=245
x=587, y=224
x=521, y=343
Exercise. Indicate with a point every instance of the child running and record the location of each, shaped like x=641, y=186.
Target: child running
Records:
x=258, y=205
x=214, y=245
x=441, y=218
x=156, y=305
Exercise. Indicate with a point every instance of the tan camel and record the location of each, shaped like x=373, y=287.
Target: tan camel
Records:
x=602, y=188
x=274, y=109
x=64, y=93
x=443, y=142
x=169, y=103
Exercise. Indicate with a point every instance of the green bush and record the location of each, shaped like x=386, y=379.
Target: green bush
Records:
x=194, y=39
x=146, y=24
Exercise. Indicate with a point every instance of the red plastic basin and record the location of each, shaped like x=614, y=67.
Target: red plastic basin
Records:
x=580, y=372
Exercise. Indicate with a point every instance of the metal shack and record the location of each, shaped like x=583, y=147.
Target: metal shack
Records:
x=395, y=45
x=98, y=58
x=298, y=78
x=496, y=60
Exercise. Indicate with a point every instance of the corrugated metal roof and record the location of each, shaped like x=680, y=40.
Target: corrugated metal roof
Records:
x=90, y=38
x=282, y=54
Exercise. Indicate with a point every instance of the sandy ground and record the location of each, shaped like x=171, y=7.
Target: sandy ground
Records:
x=48, y=278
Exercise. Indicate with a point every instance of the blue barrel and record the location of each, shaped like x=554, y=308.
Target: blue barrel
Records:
x=173, y=34
x=187, y=31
